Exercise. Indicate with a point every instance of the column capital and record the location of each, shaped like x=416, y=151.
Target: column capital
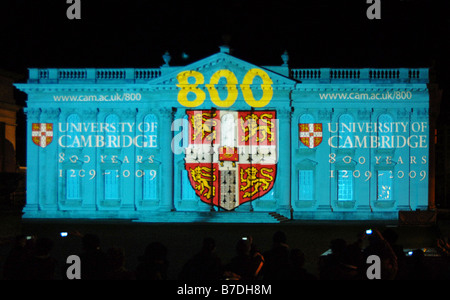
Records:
x=129, y=113
x=89, y=113
x=32, y=113
x=166, y=112
x=51, y=113
x=284, y=113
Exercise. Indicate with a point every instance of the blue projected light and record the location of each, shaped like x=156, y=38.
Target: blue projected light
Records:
x=186, y=143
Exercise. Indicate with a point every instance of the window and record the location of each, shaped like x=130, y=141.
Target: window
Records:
x=384, y=185
x=111, y=184
x=187, y=191
x=150, y=185
x=305, y=119
x=345, y=185
x=150, y=127
x=73, y=131
x=345, y=131
x=73, y=185
x=112, y=133
x=306, y=185
x=385, y=131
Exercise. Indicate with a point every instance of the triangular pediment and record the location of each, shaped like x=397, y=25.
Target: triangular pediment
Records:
x=221, y=61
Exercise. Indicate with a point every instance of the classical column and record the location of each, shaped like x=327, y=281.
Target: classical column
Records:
x=178, y=165
x=165, y=138
x=363, y=189
x=284, y=161
x=90, y=160
x=128, y=169
x=402, y=168
x=48, y=164
x=419, y=158
x=32, y=197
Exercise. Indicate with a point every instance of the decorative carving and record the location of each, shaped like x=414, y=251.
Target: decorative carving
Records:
x=32, y=113
x=89, y=113
x=51, y=113
x=363, y=114
x=324, y=114
x=129, y=113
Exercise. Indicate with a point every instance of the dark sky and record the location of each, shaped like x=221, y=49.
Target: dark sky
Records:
x=132, y=33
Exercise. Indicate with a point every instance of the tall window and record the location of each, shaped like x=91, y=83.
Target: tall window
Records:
x=384, y=185
x=385, y=131
x=187, y=191
x=112, y=133
x=73, y=131
x=150, y=185
x=150, y=128
x=305, y=119
x=73, y=184
x=345, y=185
x=111, y=184
x=306, y=185
x=345, y=131
x=73, y=187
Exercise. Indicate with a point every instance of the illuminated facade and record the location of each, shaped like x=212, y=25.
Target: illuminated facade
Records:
x=223, y=140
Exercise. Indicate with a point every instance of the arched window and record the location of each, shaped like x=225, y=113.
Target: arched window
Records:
x=73, y=184
x=112, y=131
x=73, y=131
x=150, y=128
x=384, y=130
x=345, y=131
x=304, y=125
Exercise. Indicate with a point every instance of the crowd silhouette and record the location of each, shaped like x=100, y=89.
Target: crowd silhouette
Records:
x=31, y=259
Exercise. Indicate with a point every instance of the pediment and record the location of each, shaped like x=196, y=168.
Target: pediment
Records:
x=216, y=62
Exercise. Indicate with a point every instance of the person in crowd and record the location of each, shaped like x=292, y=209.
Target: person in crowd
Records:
x=330, y=267
x=205, y=265
x=19, y=253
x=298, y=272
x=276, y=260
x=93, y=258
x=41, y=265
x=245, y=265
x=153, y=264
x=379, y=246
x=116, y=265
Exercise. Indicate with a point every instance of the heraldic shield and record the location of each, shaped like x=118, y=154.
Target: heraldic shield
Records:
x=310, y=134
x=42, y=134
x=232, y=155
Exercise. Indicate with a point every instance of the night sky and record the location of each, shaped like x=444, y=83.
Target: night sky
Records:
x=135, y=33
x=316, y=33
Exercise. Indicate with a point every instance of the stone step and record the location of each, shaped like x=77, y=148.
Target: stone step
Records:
x=209, y=217
x=280, y=218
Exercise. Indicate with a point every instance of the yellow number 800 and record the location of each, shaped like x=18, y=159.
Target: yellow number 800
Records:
x=231, y=86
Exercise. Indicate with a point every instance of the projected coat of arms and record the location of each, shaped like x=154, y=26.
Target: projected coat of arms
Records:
x=232, y=155
x=310, y=134
x=42, y=134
